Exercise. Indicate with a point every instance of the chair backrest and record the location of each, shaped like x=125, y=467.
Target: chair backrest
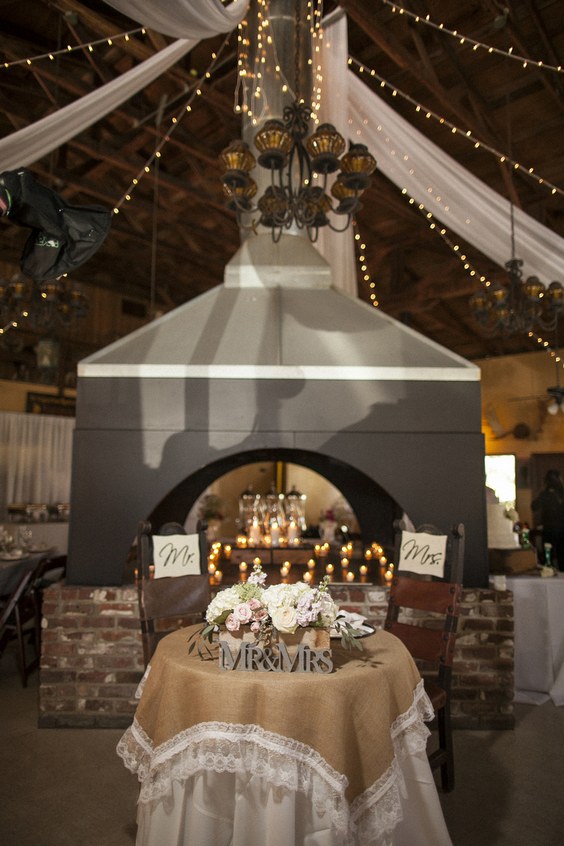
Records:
x=430, y=632
x=15, y=597
x=145, y=545
x=412, y=552
x=171, y=602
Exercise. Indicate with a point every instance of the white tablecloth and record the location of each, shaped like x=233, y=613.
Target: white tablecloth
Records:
x=539, y=638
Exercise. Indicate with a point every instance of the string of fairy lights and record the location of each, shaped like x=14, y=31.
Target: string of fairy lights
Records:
x=250, y=98
x=524, y=61
x=74, y=48
x=465, y=134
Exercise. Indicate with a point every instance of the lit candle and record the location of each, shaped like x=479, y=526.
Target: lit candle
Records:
x=329, y=569
x=257, y=562
x=350, y=576
x=344, y=563
x=383, y=560
x=308, y=576
x=363, y=569
x=317, y=549
x=344, y=550
x=243, y=567
x=211, y=567
x=311, y=564
x=292, y=531
x=254, y=533
x=368, y=554
x=388, y=575
x=284, y=570
x=288, y=564
x=227, y=552
x=275, y=534
x=241, y=541
x=218, y=575
x=349, y=547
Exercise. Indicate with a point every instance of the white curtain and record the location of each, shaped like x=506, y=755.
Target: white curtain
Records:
x=184, y=18
x=35, y=458
x=31, y=143
x=462, y=202
x=337, y=248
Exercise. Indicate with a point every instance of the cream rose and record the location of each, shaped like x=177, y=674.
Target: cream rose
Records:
x=285, y=619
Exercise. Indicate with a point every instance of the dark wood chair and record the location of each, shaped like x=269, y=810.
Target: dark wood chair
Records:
x=172, y=602
x=20, y=620
x=423, y=613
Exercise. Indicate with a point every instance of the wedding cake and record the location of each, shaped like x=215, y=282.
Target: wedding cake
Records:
x=500, y=528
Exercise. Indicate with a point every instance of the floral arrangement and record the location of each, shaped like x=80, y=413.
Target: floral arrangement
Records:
x=283, y=608
x=210, y=508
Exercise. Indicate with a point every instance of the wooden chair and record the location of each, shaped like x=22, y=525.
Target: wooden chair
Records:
x=429, y=609
x=169, y=603
x=19, y=620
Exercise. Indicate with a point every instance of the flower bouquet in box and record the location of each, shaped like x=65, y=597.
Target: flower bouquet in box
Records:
x=284, y=623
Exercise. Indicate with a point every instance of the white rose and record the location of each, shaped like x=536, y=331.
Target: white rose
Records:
x=285, y=619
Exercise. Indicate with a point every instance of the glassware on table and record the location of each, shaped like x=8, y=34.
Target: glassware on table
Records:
x=25, y=537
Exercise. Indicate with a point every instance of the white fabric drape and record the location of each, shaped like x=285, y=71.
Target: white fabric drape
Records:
x=337, y=248
x=184, y=18
x=29, y=144
x=35, y=458
x=462, y=202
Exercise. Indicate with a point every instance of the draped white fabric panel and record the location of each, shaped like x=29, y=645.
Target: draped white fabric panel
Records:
x=184, y=18
x=337, y=247
x=463, y=203
x=25, y=146
x=35, y=458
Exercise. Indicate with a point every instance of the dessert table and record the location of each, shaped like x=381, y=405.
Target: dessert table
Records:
x=539, y=638
x=235, y=758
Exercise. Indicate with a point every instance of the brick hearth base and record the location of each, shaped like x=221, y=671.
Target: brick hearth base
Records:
x=92, y=660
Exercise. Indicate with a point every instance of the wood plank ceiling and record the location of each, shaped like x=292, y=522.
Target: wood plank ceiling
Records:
x=173, y=240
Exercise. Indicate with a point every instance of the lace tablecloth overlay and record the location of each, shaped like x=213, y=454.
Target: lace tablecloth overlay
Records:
x=338, y=738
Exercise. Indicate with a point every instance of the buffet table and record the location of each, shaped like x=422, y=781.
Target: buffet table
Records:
x=539, y=638
x=284, y=759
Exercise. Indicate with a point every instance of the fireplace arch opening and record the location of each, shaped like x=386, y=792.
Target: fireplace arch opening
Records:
x=374, y=509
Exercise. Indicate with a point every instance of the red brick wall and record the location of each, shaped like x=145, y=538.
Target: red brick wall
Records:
x=92, y=658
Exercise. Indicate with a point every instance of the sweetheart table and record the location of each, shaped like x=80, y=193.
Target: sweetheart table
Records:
x=284, y=759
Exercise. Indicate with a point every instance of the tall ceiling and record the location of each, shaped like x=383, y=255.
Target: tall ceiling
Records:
x=173, y=239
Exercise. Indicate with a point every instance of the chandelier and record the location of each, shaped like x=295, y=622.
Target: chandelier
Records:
x=41, y=306
x=293, y=160
x=519, y=306
x=307, y=181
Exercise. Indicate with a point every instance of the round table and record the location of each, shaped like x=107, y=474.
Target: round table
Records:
x=284, y=759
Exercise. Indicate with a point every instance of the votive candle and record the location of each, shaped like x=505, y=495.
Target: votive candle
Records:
x=363, y=569
x=243, y=567
x=329, y=569
x=311, y=564
x=218, y=575
x=350, y=576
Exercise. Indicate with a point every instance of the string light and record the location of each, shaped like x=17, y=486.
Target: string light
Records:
x=250, y=97
x=185, y=109
x=360, y=250
x=88, y=45
x=465, y=134
x=465, y=39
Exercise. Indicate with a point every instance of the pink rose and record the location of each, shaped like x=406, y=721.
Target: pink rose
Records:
x=232, y=623
x=254, y=603
x=255, y=627
x=243, y=612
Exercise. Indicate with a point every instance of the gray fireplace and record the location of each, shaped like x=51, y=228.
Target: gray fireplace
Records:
x=274, y=363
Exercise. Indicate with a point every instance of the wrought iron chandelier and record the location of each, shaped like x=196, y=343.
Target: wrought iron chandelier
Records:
x=41, y=306
x=292, y=197
x=295, y=166
x=520, y=306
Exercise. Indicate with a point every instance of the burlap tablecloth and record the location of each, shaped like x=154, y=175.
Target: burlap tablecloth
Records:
x=343, y=725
